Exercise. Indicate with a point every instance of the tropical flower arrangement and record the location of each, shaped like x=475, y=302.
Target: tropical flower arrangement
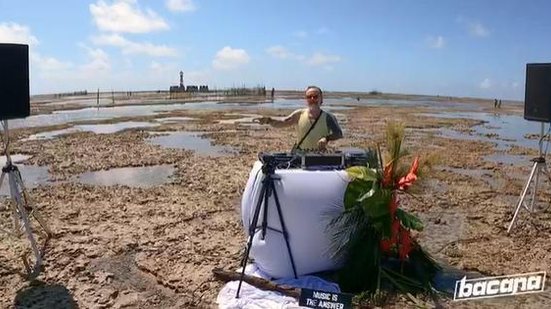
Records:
x=373, y=234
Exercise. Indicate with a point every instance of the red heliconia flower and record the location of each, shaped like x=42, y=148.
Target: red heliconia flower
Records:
x=393, y=205
x=387, y=174
x=395, y=229
x=385, y=245
x=405, y=244
x=406, y=181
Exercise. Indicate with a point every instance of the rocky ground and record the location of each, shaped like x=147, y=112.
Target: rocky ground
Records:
x=125, y=247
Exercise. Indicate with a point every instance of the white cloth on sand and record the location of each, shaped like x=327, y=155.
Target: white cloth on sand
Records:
x=251, y=297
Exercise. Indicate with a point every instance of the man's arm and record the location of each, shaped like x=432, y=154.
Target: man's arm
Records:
x=287, y=121
x=336, y=132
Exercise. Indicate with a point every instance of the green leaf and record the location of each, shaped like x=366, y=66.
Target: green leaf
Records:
x=409, y=221
x=376, y=205
x=383, y=225
x=362, y=173
x=354, y=190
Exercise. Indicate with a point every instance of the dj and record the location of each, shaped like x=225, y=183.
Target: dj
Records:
x=314, y=126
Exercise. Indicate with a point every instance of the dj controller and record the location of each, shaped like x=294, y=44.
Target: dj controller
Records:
x=320, y=161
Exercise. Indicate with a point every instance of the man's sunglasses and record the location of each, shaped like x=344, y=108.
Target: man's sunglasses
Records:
x=315, y=96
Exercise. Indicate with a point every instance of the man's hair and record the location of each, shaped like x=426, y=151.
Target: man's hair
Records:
x=318, y=89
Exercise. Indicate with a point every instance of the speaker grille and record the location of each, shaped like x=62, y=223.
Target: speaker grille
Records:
x=14, y=81
x=537, y=100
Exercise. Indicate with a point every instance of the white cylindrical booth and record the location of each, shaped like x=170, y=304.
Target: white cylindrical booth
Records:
x=309, y=199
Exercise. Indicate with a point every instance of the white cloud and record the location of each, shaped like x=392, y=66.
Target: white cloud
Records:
x=279, y=51
x=129, y=47
x=16, y=33
x=49, y=63
x=300, y=34
x=477, y=29
x=322, y=59
x=181, y=5
x=486, y=84
x=125, y=16
x=99, y=61
x=514, y=85
x=436, y=42
x=161, y=67
x=229, y=58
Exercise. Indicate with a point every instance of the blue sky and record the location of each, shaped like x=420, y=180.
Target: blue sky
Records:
x=459, y=48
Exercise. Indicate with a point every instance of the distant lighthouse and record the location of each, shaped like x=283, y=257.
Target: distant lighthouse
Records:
x=182, y=80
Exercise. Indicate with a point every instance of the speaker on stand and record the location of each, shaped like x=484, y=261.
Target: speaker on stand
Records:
x=15, y=103
x=537, y=107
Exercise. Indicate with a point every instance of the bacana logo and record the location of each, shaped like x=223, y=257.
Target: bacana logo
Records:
x=499, y=286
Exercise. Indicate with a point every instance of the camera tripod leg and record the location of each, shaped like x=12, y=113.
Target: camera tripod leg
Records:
x=523, y=195
x=268, y=188
x=284, y=230
x=252, y=230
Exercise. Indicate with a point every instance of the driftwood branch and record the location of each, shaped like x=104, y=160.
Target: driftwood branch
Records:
x=260, y=283
x=263, y=284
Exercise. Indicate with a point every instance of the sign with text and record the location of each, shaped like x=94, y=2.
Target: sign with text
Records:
x=321, y=299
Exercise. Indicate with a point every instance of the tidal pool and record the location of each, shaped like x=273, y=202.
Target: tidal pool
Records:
x=95, y=128
x=191, y=141
x=140, y=177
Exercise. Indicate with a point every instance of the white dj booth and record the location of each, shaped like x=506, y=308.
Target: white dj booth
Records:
x=309, y=199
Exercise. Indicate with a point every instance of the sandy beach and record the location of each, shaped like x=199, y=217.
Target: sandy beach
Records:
x=154, y=244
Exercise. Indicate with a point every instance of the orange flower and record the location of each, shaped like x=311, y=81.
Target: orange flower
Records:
x=387, y=174
x=406, y=181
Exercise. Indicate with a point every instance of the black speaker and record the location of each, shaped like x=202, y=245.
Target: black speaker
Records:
x=537, y=99
x=14, y=81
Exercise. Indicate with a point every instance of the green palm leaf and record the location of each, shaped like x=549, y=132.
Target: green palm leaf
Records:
x=409, y=221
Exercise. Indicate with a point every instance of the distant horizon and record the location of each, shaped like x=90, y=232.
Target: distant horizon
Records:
x=91, y=92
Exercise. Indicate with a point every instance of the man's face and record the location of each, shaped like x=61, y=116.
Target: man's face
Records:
x=313, y=98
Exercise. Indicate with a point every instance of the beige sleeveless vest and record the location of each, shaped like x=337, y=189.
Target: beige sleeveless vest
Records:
x=320, y=130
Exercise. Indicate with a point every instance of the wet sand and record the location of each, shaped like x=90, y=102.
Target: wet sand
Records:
x=154, y=247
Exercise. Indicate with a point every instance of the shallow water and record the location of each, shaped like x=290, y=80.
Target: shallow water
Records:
x=142, y=177
x=95, y=128
x=174, y=119
x=110, y=112
x=31, y=175
x=507, y=159
x=504, y=130
x=191, y=141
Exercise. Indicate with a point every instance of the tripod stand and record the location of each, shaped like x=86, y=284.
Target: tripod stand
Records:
x=537, y=167
x=22, y=211
x=268, y=187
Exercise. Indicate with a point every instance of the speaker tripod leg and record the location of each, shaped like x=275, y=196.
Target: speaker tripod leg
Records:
x=535, y=187
x=523, y=195
x=27, y=201
x=23, y=215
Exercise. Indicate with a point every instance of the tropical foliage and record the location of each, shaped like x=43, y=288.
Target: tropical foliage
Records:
x=373, y=236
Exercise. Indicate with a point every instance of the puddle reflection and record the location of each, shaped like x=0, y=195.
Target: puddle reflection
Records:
x=191, y=141
x=95, y=128
x=32, y=177
x=141, y=177
x=504, y=130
